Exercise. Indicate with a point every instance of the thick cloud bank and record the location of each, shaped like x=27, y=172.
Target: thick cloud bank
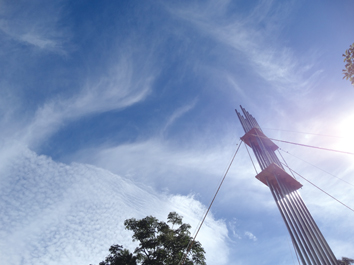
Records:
x=52, y=213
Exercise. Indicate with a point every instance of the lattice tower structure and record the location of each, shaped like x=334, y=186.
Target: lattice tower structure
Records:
x=308, y=241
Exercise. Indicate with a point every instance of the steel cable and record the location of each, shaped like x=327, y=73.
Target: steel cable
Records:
x=191, y=244
x=319, y=188
x=305, y=145
x=316, y=167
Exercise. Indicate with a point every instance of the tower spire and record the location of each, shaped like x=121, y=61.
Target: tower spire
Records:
x=308, y=241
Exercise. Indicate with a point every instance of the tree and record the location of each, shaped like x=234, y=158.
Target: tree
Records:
x=349, y=66
x=345, y=261
x=119, y=256
x=159, y=244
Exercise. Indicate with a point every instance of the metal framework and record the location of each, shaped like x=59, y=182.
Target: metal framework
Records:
x=308, y=241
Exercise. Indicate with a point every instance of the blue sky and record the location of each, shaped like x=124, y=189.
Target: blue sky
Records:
x=117, y=109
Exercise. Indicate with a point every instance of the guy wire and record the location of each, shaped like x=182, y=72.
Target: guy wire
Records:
x=320, y=189
x=316, y=167
x=191, y=244
x=251, y=159
x=305, y=145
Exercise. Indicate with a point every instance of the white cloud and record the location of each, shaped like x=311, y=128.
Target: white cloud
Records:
x=57, y=214
x=250, y=236
x=232, y=227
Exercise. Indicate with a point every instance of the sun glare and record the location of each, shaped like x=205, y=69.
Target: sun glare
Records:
x=346, y=132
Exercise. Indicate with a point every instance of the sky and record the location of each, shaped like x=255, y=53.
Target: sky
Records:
x=123, y=109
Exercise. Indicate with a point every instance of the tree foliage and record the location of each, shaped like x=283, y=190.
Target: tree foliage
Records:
x=349, y=64
x=345, y=261
x=159, y=243
x=119, y=256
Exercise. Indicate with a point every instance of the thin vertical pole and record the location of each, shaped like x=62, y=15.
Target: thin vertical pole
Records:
x=294, y=227
x=286, y=223
x=322, y=240
x=307, y=226
x=299, y=225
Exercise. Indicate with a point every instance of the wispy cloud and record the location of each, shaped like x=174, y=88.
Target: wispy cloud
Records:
x=150, y=161
x=250, y=236
x=34, y=23
x=118, y=89
x=177, y=114
x=255, y=36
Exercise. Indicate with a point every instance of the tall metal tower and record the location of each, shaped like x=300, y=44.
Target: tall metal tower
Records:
x=308, y=241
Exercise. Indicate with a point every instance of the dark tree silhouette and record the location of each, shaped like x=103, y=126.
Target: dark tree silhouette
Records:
x=349, y=64
x=345, y=261
x=159, y=243
x=119, y=256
